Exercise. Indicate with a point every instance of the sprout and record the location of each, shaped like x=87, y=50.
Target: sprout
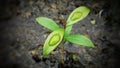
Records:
x=56, y=37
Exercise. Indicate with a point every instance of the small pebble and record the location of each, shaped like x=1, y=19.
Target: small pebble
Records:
x=93, y=21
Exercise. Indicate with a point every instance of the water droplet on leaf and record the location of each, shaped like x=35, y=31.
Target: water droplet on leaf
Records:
x=54, y=39
x=76, y=16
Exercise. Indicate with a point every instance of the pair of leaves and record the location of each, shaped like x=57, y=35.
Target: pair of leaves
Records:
x=77, y=15
x=56, y=36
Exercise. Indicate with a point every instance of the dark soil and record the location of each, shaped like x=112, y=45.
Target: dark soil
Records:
x=22, y=38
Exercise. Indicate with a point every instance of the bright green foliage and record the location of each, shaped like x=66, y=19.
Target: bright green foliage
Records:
x=53, y=41
x=68, y=30
x=48, y=23
x=74, y=57
x=80, y=40
x=77, y=15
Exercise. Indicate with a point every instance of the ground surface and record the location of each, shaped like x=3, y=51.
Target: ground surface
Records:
x=20, y=34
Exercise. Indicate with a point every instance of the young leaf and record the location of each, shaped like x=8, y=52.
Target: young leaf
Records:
x=68, y=30
x=80, y=40
x=77, y=15
x=53, y=41
x=48, y=23
x=74, y=57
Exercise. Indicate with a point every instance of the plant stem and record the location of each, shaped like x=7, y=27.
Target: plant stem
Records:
x=63, y=41
x=62, y=52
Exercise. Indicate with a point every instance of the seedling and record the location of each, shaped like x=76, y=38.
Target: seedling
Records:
x=63, y=35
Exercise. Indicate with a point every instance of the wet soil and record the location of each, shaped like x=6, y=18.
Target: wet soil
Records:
x=22, y=38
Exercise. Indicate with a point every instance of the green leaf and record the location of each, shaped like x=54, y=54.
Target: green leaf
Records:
x=80, y=40
x=77, y=15
x=52, y=41
x=48, y=23
x=68, y=30
x=74, y=57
